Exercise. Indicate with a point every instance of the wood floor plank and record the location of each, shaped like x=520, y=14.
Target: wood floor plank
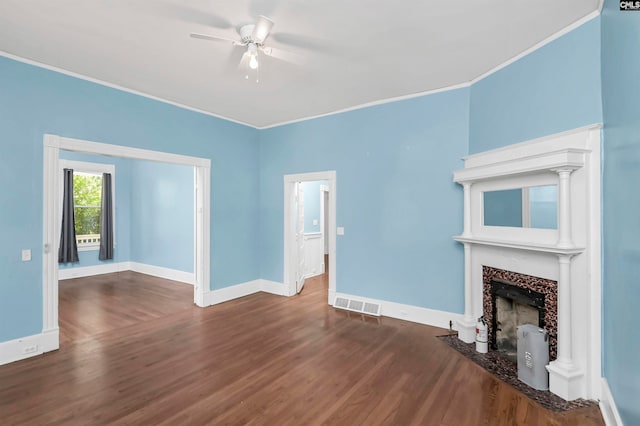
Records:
x=135, y=350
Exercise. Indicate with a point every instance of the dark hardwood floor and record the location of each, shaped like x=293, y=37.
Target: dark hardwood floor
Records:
x=94, y=305
x=136, y=351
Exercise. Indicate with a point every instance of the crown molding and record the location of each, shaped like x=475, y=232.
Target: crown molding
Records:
x=469, y=83
x=117, y=87
x=371, y=104
x=540, y=44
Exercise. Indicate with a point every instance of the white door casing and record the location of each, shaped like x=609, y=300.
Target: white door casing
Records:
x=324, y=192
x=52, y=145
x=300, y=269
x=290, y=217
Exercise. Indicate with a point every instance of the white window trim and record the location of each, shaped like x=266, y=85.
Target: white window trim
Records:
x=93, y=168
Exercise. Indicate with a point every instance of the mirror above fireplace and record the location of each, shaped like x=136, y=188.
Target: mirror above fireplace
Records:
x=528, y=207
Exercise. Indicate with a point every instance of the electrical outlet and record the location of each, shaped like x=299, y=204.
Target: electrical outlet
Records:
x=30, y=349
x=26, y=255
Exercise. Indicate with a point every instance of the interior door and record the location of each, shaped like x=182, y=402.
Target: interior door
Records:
x=300, y=236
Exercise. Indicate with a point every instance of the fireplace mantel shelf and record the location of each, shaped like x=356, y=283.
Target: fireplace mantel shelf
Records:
x=551, y=249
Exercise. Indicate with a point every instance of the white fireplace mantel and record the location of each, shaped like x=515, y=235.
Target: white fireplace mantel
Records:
x=569, y=254
x=568, y=158
x=544, y=248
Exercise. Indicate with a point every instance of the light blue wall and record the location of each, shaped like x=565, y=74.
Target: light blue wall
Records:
x=621, y=206
x=122, y=249
x=312, y=205
x=162, y=215
x=35, y=101
x=395, y=196
x=553, y=89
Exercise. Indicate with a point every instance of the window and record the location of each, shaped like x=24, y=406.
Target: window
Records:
x=87, y=196
x=87, y=199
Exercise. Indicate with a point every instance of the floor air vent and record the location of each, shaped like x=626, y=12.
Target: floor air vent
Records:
x=354, y=305
x=341, y=302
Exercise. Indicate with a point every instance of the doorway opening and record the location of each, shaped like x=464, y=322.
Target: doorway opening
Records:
x=52, y=216
x=296, y=267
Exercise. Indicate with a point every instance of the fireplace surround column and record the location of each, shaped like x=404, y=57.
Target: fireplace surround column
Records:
x=564, y=208
x=466, y=232
x=467, y=326
x=564, y=376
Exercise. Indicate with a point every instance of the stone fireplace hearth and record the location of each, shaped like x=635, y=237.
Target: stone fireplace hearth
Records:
x=550, y=275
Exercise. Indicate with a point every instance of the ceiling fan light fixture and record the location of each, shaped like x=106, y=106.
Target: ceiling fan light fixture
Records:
x=252, y=51
x=253, y=62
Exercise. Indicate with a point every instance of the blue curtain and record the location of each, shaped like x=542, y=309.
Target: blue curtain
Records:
x=68, y=250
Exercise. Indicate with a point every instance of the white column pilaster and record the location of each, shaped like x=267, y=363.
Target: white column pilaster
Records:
x=565, y=352
x=565, y=379
x=564, y=208
x=467, y=210
x=467, y=326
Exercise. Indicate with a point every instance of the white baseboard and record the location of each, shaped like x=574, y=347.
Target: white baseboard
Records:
x=608, y=406
x=274, y=287
x=244, y=289
x=26, y=347
x=332, y=297
x=417, y=314
x=166, y=273
x=108, y=268
x=233, y=292
x=411, y=313
x=88, y=271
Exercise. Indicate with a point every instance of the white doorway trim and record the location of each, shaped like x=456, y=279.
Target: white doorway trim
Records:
x=324, y=192
x=51, y=216
x=290, y=227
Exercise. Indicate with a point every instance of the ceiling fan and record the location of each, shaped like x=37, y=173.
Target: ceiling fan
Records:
x=252, y=37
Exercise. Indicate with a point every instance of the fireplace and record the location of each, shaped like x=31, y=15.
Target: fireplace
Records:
x=513, y=306
x=567, y=257
x=511, y=299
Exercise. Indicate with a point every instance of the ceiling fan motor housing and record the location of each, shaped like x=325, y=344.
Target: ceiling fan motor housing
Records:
x=246, y=31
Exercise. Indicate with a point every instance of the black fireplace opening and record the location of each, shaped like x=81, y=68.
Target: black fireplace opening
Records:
x=513, y=306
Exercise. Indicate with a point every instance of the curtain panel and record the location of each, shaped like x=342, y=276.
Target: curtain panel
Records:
x=68, y=250
x=106, y=219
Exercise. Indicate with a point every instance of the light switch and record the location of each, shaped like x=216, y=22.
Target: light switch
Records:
x=315, y=222
x=26, y=255
x=340, y=230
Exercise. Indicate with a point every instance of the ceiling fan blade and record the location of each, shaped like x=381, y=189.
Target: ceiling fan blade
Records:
x=301, y=42
x=214, y=38
x=283, y=55
x=262, y=29
x=231, y=63
x=191, y=14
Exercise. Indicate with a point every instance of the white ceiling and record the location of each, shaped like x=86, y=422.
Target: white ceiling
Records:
x=352, y=52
